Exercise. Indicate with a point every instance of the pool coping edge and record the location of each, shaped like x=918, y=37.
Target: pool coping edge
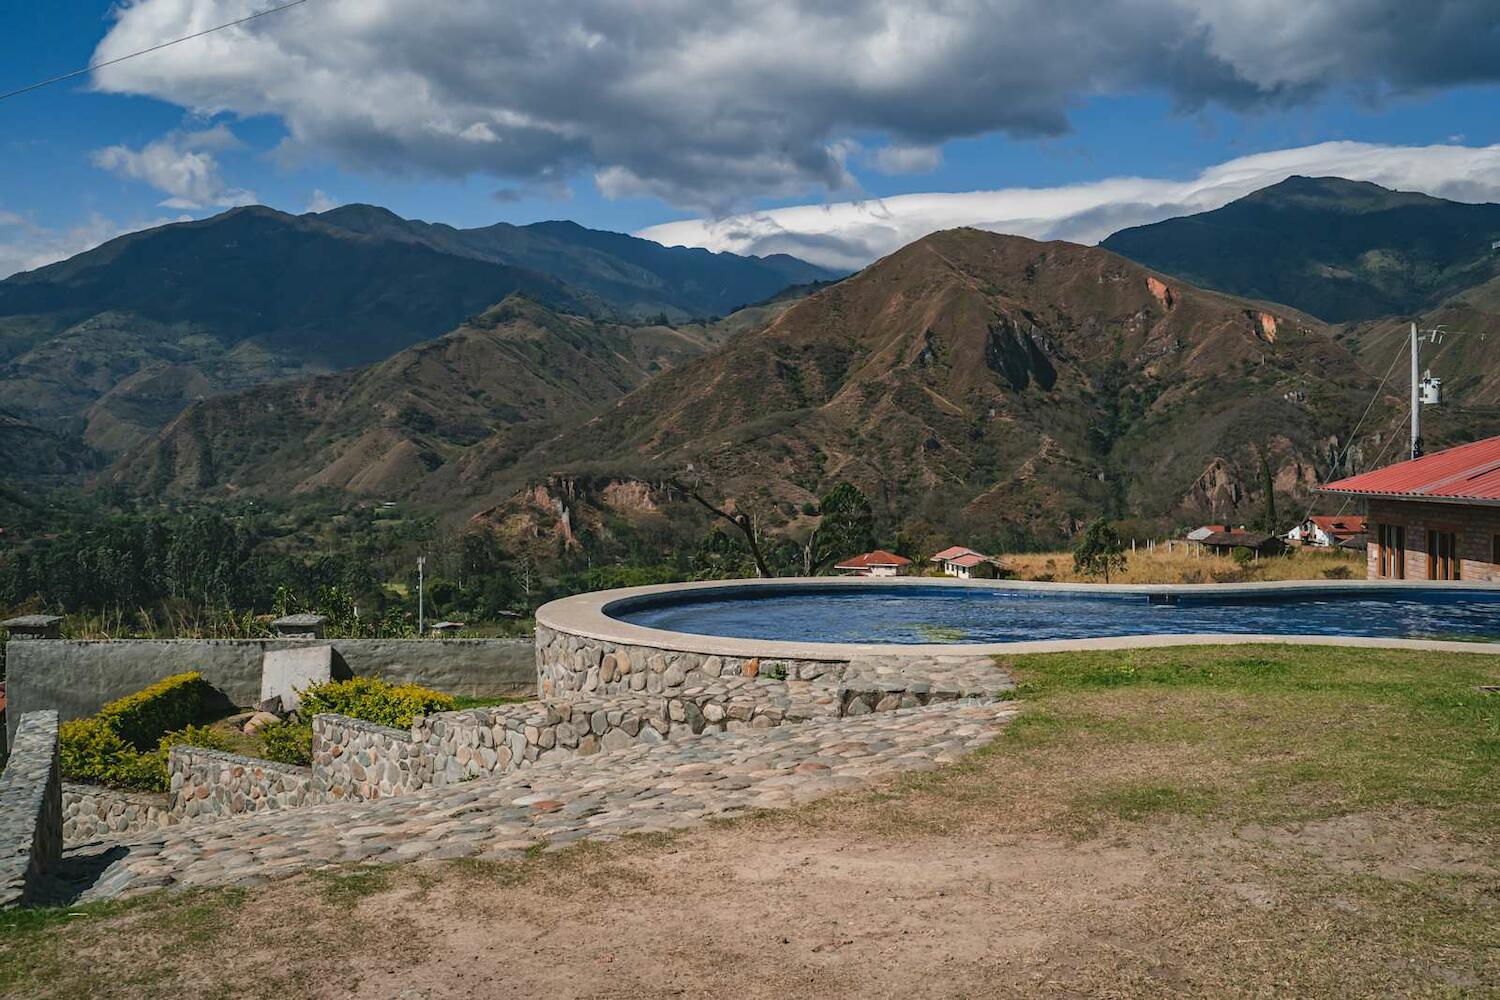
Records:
x=586, y=615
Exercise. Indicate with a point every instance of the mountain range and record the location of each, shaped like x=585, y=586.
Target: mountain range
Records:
x=971, y=383
x=110, y=345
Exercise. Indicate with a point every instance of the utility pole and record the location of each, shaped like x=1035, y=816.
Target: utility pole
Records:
x=421, y=607
x=1416, y=390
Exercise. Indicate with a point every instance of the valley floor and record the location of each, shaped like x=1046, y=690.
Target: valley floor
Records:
x=1218, y=821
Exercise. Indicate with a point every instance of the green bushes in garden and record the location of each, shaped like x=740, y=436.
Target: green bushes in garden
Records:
x=125, y=743
x=287, y=743
x=367, y=698
x=374, y=700
x=170, y=704
x=92, y=751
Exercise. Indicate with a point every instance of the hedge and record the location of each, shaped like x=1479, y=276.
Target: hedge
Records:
x=125, y=743
x=170, y=704
x=287, y=743
x=374, y=700
x=92, y=751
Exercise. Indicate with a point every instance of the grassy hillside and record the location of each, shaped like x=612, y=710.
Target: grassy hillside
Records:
x=425, y=423
x=997, y=383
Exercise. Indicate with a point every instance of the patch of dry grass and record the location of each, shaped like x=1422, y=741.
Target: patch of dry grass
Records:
x=1178, y=565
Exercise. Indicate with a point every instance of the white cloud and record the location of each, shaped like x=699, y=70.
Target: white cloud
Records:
x=182, y=165
x=321, y=201
x=851, y=234
x=908, y=159
x=711, y=104
x=25, y=246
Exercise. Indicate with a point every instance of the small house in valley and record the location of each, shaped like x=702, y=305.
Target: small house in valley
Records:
x=1255, y=541
x=1433, y=518
x=1326, y=531
x=877, y=563
x=1202, y=532
x=964, y=563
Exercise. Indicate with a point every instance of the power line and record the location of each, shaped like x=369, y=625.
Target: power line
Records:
x=119, y=59
x=1340, y=458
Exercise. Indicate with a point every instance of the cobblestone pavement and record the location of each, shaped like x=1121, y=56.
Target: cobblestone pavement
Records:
x=638, y=789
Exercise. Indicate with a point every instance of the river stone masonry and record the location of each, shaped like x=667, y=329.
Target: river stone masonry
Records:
x=637, y=789
x=355, y=759
x=91, y=811
x=30, y=809
x=206, y=783
x=567, y=664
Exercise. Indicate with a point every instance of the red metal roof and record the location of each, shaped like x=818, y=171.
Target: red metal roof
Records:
x=880, y=557
x=1469, y=472
x=969, y=559
x=952, y=552
x=1339, y=525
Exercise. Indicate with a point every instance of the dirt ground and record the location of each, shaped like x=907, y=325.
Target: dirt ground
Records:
x=1325, y=830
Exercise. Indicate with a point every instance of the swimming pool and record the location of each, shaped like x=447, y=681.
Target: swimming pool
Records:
x=917, y=613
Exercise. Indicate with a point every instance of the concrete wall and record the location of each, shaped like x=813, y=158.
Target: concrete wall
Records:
x=1476, y=529
x=31, y=820
x=77, y=678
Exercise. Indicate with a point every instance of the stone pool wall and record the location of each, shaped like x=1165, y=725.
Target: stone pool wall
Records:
x=568, y=664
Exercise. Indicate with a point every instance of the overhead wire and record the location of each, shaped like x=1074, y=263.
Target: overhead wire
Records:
x=155, y=48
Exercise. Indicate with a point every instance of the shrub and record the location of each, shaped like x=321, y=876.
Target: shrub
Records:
x=125, y=743
x=374, y=700
x=1337, y=573
x=170, y=704
x=1243, y=556
x=93, y=751
x=287, y=743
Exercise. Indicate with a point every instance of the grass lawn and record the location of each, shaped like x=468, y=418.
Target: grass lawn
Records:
x=1218, y=821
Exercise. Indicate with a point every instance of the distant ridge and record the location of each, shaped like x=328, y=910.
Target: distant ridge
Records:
x=108, y=346
x=1338, y=249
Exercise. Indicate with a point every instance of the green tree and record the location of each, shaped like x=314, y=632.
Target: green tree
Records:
x=1268, y=519
x=846, y=527
x=1099, y=550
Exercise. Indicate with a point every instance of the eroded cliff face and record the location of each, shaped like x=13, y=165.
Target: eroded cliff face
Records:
x=565, y=510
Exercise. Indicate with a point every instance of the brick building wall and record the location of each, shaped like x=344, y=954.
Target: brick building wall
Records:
x=1476, y=529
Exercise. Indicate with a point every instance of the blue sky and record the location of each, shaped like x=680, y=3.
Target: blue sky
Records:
x=598, y=132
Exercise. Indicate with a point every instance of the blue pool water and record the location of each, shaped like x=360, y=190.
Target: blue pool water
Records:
x=918, y=614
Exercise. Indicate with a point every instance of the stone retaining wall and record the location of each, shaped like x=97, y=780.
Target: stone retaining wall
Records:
x=483, y=741
x=208, y=783
x=30, y=808
x=361, y=760
x=92, y=811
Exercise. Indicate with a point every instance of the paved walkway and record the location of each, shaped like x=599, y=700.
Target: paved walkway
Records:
x=633, y=790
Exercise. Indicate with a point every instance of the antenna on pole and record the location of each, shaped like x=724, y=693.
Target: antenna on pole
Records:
x=1425, y=389
x=1416, y=388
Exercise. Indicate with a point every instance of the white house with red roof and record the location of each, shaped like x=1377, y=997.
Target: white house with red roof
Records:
x=962, y=562
x=877, y=563
x=1327, y=530
x=1433, y=518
